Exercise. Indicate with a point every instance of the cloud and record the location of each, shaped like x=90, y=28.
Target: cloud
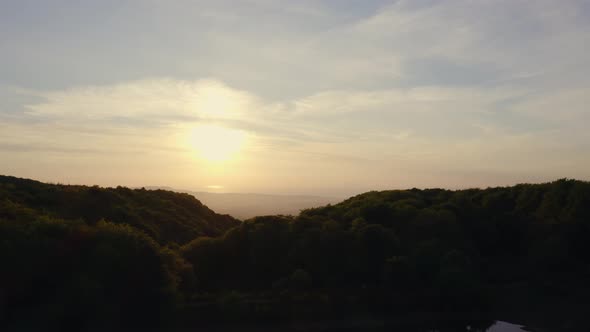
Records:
x=425, y=88
x=562, y=106
x=417, y=131
x=429, y=99
x=161, y=99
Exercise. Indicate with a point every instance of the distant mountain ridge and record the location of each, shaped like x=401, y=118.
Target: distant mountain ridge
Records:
x=248, y=205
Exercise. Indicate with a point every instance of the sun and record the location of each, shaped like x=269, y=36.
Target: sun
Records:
x=216, y=143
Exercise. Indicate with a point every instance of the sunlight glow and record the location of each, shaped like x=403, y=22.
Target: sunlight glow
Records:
x=215, y=143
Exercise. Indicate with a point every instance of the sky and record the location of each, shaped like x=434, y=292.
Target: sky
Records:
x=330, y=97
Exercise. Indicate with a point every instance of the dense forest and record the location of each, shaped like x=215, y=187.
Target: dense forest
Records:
x=91, y=258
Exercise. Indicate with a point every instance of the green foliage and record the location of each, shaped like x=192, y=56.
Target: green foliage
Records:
x=161, y=254
x=60, y=275
x=164, y=215
x=430, y=249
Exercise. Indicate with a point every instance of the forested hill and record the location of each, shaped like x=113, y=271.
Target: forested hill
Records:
x=522, y=250
x=164, y=215
x=517, y=233
x=558, y=202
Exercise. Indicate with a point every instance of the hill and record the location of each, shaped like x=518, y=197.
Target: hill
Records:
x=522, y=250
x=164, y=215
x=162, y=259
x=248, y=205
x=245, y=206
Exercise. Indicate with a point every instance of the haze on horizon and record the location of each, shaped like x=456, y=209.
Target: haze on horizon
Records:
x=308, y=97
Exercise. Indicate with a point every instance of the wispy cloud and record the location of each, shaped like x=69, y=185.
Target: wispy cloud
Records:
x=382, y=92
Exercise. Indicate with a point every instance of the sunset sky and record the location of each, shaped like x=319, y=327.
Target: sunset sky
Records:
x=300, y=97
